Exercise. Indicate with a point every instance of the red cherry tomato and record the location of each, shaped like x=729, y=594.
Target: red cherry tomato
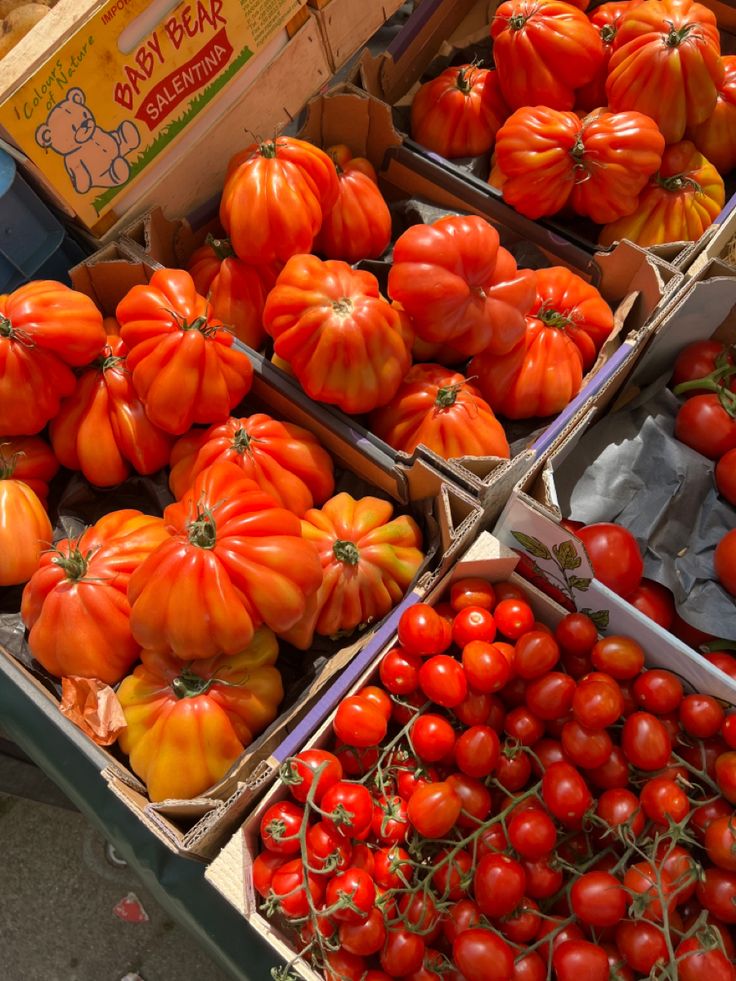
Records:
x=658, y=691
x=724, y=561
x=378, y=697
x=355, y=885
x=596, y=703
x=662, y=800
x=486, y=667
x=565, y=794
x=725, y=474
x=280, y=827
x=443, y=680
x=513, y=618
x=288, y=884
x=402, y=953
x=532, y=834
x=434, y=809
x=482, y=955
x=725, y=774
x=654, y=601
x=701, y=716
x=498, y=884
x=359, y=722
x=619, y=806
x=696, y=361
x=521, y=724
x=477, y=751
x=399, y=671
x=301, y=771
x=642, y=945
x=705, y=426
x=472, y=592
x=716, y=891
x=575, y=959
x=513, y=769
x=550, y=697
x=536, y=653
x=587, y=748
x=264, y=866
x=432, y=737
x=614, y=555
x=347, y=808
x=423, y=631
x=696, y=961
x=728, y=730
x=475, y=799
x=473, y=623
x=645, y=741
x=598, y=899
x=323, y=842
x=365, y=938
x=576, y=634
x=621, y=657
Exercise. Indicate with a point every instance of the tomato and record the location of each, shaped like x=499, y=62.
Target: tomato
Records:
x=340, y=965
x=472, y=592
x=355, y=885
x=606, y=18
x=83, y=583
x=359, y=722
x=498, y=885
x=728, y=730
x=543, y=52
x=725, y=662
x=705, y=813
x=464, y=915
x=658, y=691
x=443, y=680
x=513, y=769
x=663, y=800
x=598, y=899
x=597, y=704
x=614, y=555
x=288, y=884
x=477, y=751
x=619, y=806
x=560, y=934
x=280, y=827
x=576, y=958
x=642, y=944
x=725, y=474
x=475, y=799
x=542, y=878
x=486, y=668
x=419, y=911
x=25, y=529
x=725, y=774
x=171, y=333
x=399, y=671
x=432, y=737
x=717, y=893
x=473, y=623
x=565, y=794
x=515, y=618
x=327, y=851
x=46, y=329
x=703, y=424
x=551, y=695
x=480, y=709
x=358, y=226
x=392, y=867
x=458, y=113
x=701, y=715
x=478, y=296
x=356, y=762
x=453, y=875
x=645, y=741
x=576, y=634
x=720, y=842
x=650, y=887
x=696, y=360
x=423, y=631
x=347, y=808
x=300, y=774
x=532, y=834
x=264, y=866
x=402, y=953
x=214, y=565
x=715, y=136
x=695, y=961
x=724, y=562
x=654, y=601
x=666, y=64
x=521, y=724
x=275, y=197
x=285, y=460
x=389, y=824
x=529, y=967
x=433, y=809
x=621, y=657
x=598, y=165
x=366, y=937
x=587, y=748
x=482, y=955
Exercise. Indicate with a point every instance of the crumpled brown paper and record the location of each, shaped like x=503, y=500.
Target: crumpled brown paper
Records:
x=93, y=707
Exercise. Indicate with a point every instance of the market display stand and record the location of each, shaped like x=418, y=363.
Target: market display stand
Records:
x=178, y=884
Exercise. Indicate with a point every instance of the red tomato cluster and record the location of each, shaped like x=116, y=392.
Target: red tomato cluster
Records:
x=510, y=803
x=706, y=421
x=624, y=116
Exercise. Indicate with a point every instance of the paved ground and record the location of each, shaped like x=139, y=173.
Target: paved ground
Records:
x=57, y=893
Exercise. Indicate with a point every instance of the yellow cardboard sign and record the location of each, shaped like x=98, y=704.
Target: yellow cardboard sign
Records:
x=105, y=104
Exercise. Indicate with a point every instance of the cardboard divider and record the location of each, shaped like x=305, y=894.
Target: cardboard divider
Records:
x=347, y=24
x=634, y=282
x=449, y=518
x=488, y=558
x=440, y=30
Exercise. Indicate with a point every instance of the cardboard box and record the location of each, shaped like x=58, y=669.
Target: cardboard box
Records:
x=230, y=873
x=634, y=282
x=347, y=24
x=157, y=80
x=448, y=519
x=440, y=29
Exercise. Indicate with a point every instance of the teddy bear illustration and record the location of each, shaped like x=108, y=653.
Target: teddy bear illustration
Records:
x=93, y=157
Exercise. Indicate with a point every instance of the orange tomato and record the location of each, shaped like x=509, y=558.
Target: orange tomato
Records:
x=25, y=531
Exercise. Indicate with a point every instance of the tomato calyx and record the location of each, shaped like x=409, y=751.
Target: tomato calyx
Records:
x=608, y=33
x=189, y=684
x=202, y=530
x=517, y=22
x=74, y=564
x=268, y=149
x=466, y=78
x=8, y=462
x=346, y=552
x=676, y=35
x=553, y=318
x=12, y=333
x=677, y=183
x=107, y=361
x=242, y=440
x=577, y=150
x=447, y=396
x=6, y=327
x=220, y=246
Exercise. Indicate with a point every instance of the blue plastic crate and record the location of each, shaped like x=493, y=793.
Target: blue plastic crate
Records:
x=30, y=235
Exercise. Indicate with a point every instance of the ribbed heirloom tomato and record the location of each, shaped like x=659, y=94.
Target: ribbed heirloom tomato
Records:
x=458, y=113
x=368, y=560
x=232, y=560
x=181, y=359
x=716, y=137
x=275, y=197
x=543, y=51
x=30, y=460
x=346, y=345
x=606, y=18
x=460, y=287
x=358, y=226
x=440, y=409
x=187, y=724
x=76, y=605
x=285, y=460
x=666, y=64
x=46, y=329
x=25, y=529
x=102, y=428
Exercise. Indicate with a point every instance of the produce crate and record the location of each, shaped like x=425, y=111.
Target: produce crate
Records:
x=230, y=872
x=661, y=496
x=157, y=80
x=444, y=32
x=347, y=24
x=448, y=519
x=634, y=282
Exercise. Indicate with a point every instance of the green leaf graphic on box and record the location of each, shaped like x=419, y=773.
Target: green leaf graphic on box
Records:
x=532, y=545
x=567, y=555
x=599, y=617
x=578, y=582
